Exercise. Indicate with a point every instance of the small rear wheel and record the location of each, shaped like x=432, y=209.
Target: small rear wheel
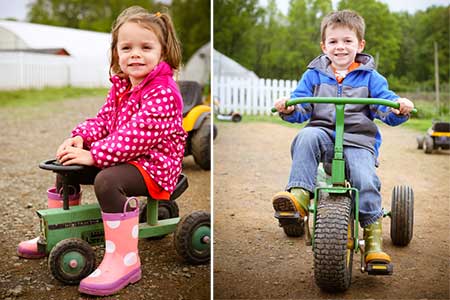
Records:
x=402, y=215
x=192, y=237
x=428, y=144
x=296, y=229
x=71, y=260
x=334, y=243
x=419, y=140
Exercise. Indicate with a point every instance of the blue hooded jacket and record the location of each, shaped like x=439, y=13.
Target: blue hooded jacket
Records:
x=363, y=82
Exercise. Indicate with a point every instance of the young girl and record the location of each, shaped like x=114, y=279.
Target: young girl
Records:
x=135, y=143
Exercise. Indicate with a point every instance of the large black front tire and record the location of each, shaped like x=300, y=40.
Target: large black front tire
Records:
x=333, y=252
x=201, y=144
x=71, y=260
x=402, y=215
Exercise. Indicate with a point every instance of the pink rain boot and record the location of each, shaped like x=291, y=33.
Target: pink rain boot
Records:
x=121, y=264
x=29, y=249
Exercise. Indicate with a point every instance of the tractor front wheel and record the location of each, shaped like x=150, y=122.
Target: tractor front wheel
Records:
x=71, y=260
x=334, y=243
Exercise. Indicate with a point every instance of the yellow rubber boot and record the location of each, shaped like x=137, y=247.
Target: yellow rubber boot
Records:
x=373, y=244
x=291, y=202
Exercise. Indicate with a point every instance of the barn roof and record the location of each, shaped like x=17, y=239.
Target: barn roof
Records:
x=78, y=43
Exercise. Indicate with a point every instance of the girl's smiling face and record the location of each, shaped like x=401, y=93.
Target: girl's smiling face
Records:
x=341, y=46
x=139, y=51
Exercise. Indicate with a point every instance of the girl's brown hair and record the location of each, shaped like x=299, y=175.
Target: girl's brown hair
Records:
x=160, y=24
x=347, y=18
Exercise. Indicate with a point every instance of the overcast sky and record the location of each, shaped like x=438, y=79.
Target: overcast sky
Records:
x=17, y=8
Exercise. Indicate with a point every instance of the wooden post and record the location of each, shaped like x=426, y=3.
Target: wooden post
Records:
x=436, y=77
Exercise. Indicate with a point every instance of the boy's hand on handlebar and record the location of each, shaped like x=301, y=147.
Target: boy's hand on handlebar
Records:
x=76, y=156
x=76, y=142
x=280, y=105
x=406, y=106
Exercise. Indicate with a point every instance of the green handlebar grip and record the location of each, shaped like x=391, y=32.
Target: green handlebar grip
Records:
x=340, y=100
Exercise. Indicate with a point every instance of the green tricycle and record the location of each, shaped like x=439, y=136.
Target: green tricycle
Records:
x=67, y=234
x=335, y=224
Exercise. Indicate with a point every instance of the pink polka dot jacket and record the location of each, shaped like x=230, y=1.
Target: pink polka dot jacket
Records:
x=142, y=126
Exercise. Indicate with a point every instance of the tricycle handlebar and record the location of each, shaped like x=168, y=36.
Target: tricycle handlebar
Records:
x=340, y=100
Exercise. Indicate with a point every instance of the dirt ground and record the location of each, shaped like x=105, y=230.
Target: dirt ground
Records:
x=30, y=135
x=253, y=259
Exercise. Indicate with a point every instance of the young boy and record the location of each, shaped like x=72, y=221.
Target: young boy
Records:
x=341, y=71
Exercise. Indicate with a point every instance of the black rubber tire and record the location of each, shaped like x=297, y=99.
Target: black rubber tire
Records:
x=201, y=144
x=428, y=144
x=166, y=210
x=295, y=230
x=332, y=259
x=64, y=247
x=419, y=140
x=402, y=215
x=215, y=131
x=184, y=234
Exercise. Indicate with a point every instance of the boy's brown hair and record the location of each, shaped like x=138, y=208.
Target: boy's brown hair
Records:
x=160, y=24
x=346, y=18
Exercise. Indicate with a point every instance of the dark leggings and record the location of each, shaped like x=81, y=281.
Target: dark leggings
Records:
x=112, y=185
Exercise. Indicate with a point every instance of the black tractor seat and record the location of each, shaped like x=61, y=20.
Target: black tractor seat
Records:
x=191, y=91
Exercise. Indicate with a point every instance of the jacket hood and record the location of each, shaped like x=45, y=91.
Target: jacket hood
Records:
x=161, y=69
x=322, y=62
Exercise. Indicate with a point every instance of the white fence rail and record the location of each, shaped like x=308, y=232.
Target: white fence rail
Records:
x=21, y=70
x=250, y=96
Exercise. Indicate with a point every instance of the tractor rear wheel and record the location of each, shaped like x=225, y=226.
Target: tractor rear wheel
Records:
x=201, y=144
x=402, y=215
x=428, y=144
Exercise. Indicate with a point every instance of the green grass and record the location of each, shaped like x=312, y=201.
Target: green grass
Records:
x=33, y=97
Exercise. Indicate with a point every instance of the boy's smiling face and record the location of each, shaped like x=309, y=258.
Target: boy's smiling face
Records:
x=341, y=46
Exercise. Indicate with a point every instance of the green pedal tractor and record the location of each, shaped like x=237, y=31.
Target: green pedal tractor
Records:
x=334, y=213
x=67, y=234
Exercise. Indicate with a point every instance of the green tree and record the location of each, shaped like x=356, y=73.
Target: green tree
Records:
x=304, y=18
x=193, y=23
x=233, y=24
x=89, y=15
x=191, y=18
x=432, y=26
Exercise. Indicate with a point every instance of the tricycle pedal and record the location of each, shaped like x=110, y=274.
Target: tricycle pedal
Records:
x=287, y=217
x=379, y=268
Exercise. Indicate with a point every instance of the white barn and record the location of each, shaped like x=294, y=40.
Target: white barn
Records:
x=34, y=56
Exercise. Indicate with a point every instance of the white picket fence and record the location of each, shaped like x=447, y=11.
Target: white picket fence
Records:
x=20, y=70
x=250, y=96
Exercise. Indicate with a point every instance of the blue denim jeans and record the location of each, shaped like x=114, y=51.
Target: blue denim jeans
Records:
x=313, y=145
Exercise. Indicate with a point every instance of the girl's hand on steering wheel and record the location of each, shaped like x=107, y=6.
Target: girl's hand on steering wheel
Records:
x=76, y=142
x=76, y=156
